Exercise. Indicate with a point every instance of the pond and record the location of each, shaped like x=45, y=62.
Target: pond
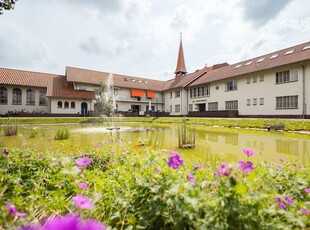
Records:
x=212, y=143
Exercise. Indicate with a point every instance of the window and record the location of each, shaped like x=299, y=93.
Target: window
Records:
x=42, y=97
x=231, y=85
x=254, y=101
x=254, y=79
x=287, y=102
x=59, y=104
x=170, y=108
x=72, y=105
x=3, y=96
x=200, y=91
x=261, y=77
x=177, y=108
x=212, y=106
x=30, y=97
x=66, y=105
x=287, y=76
x=274, y=56
x=177, y=93
x=261, y=101
x=248, y=102
x=81, y=87
x=170, y=94
x=190, y=107
x=248, y=80
x=231, y=105
x=17, y=96
x=260, y=60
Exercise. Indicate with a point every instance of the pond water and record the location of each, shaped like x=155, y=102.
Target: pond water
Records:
x=212, y=143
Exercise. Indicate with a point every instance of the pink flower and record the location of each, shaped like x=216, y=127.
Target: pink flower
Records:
x=14, y=212
x=83, y=162
x=280, y=203
x=305, y=211
x=224, y=169
x=83, y=186
x=281, y=159
x=97, y=145
x=215, y=174
x=288, y=199
x=307, y=190
x=172, y=152
x=245, y=167
x=158, y=170
x=191, y=179
x=249, y=152
x=83, y=202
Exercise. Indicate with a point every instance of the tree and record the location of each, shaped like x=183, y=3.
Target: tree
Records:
x=6, y=5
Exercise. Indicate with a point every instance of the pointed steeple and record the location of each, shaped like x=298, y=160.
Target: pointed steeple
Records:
x=180, y=69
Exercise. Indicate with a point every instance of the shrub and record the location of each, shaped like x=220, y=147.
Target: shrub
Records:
x=62, y=134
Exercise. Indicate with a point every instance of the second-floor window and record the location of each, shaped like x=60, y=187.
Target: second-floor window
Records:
x=231, y=85
x=200, y=91
x=177, y=93
x=287, y=76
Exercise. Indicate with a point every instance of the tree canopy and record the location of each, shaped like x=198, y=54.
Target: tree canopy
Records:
x=6, y=5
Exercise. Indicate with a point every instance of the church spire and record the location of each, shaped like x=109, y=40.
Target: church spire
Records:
x=180, y=69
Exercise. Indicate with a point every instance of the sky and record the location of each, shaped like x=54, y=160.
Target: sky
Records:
x=141, y=37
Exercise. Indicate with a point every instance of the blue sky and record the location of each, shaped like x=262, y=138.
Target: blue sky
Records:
x=141, y=37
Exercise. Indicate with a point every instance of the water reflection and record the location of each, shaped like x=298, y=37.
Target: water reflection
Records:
x=211, y=143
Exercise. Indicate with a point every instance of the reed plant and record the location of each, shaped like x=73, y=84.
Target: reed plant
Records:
x=11, y=130
x=62, y=134
x=186, y=135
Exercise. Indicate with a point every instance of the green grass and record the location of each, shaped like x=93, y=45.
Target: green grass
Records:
x=62, y=134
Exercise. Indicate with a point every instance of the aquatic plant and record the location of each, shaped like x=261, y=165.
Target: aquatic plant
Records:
x=62, y=134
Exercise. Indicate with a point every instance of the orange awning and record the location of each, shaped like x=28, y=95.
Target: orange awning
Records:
x=137, y=93
x=150, y=94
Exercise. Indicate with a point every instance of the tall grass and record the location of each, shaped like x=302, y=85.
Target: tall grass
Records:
x=11, y=130
x=62, y=134
x=186, y=135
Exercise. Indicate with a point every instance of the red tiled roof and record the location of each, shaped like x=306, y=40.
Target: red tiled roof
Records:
x=64, y=89
x=181, y=62
x=281, y=58
x=56, y=85
x=95, y=77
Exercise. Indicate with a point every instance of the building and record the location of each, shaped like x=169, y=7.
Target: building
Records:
x=276, y=84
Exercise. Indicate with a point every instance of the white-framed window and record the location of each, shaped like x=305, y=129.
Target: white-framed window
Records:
x=254, y=79
x=261, y=101
x=231, y=105
x=287, y=76
x=287, y=102
x=72, y=105
x=170, y=108
x=231, y=85
x=42, y=97
x=200, y=91
x=261, y=77
x=212, y=106
x=177, y=94
x=59, y=104
x=17, y=96
x=248, y=102
x=66, y=105
x=177, y=108
x=170, y=94
x=30, y=97
x=248, y=80
x=3, y=96
x=254, y=101
x=81, y=87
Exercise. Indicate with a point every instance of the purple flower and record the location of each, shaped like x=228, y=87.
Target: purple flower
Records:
x=288, y=199
x=245, y=167
x=83, y=186
x=5, y=152
x=175, y=161
x=83, y=162
x=215, y=174
x=305, y=211
x=224, y=169
x=191, y=179
x=199, y=166
x=97, y=145
x=70, y=222
x=83, y=202
x=14, y=212
x=281, y=159
x=249, y=152
x=280, y=203
x=307, y=190
x=158, y=170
